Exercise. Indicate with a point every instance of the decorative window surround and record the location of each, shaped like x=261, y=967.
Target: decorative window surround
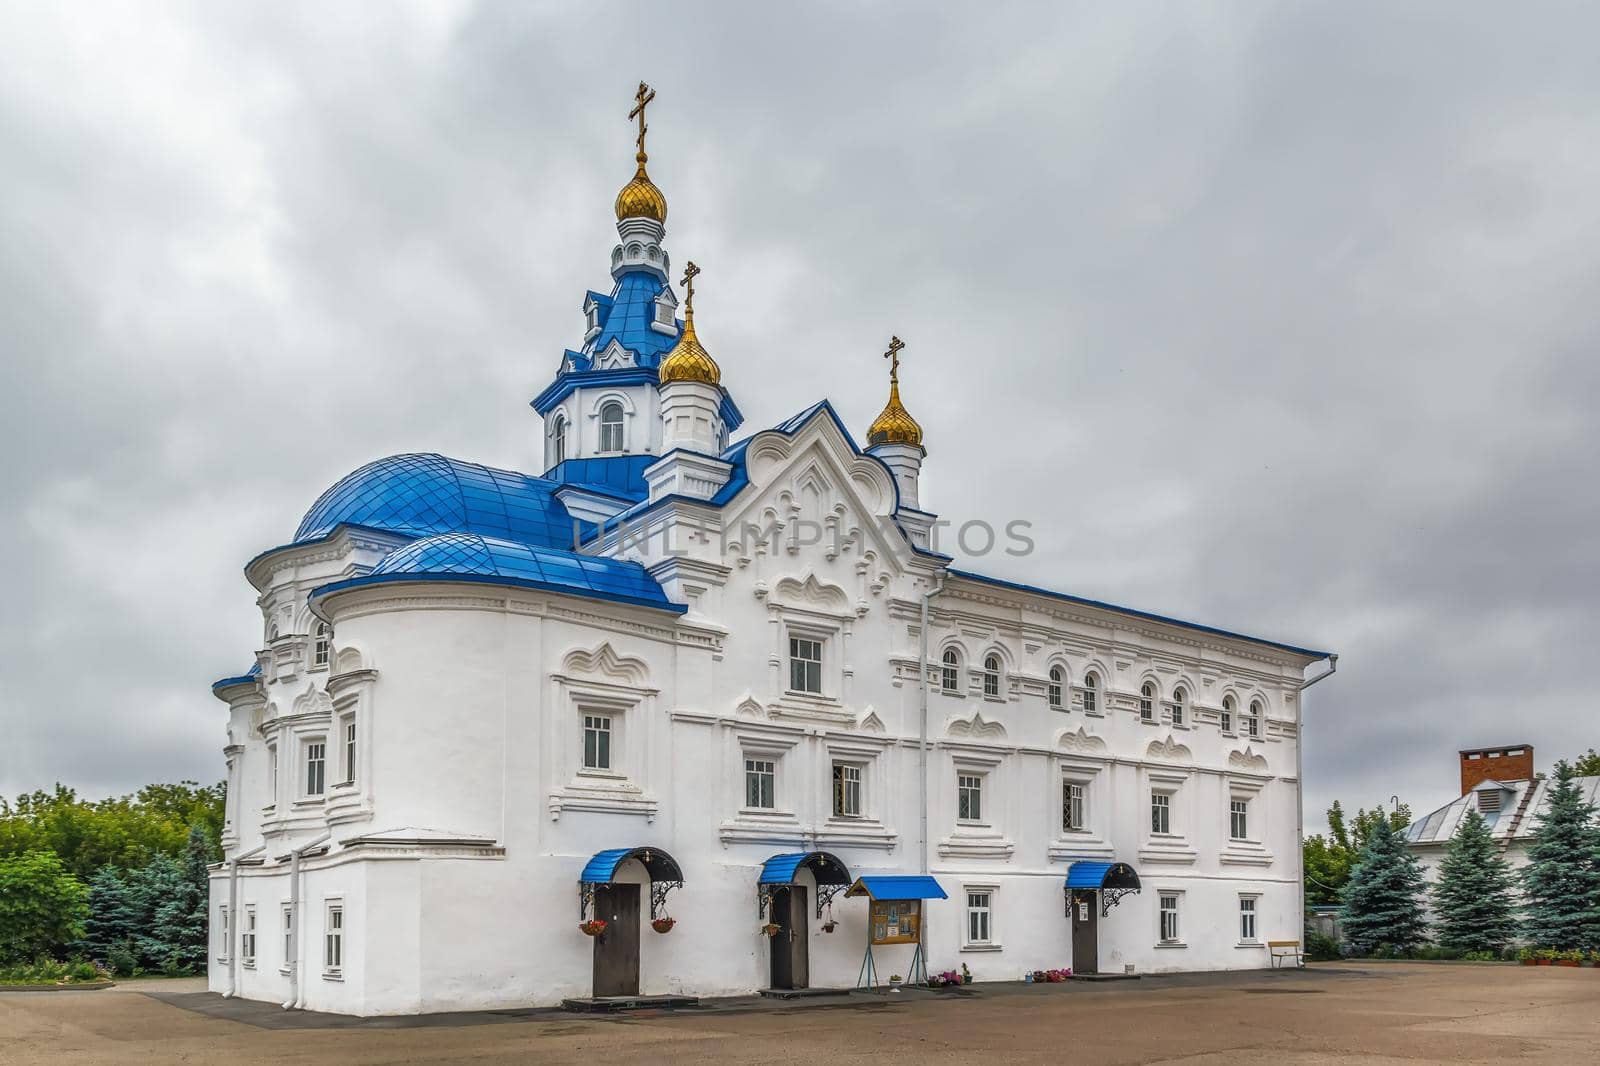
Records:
x=980, y=838
x=1173, y=846
x=1251, y=851
x=600, y=682
x=779, y=824
x=1169, y=918
x=867, y=829
x=987, y=897
x=1091, y=842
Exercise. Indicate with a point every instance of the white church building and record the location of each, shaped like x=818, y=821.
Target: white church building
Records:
x=692, y=684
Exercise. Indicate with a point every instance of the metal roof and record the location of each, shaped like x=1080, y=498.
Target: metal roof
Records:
x=826, y=868
x=897, y=886
x=1439, y=827
x=657, y=863
x=1101, y=875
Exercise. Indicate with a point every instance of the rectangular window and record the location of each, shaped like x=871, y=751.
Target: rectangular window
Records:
x=272, y=775
x=1072, y=807
x=1169, y=918
x=288, y=934
x=1053, y=692
x=979, y=927
x=805, y=665
x=596, y=742
x=316, y=768
x=224, y=934
x=846, y=790
x=350, y=750
x=1247, y=918
x=1177, y=714
x=611, y=435
x=247, y=938
x=1091, y=699
x=759, y=779
x=1226, y=719
x=969, y=797
x=949, y=674
x=1252, y=726
x=1239, y=819
x=1160, y=812
x=333, y=940
x=323, y=648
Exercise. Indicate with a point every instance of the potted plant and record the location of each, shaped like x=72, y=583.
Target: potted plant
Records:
x=663, y=924
x=1525, y=956
x=1568, y=958
x=894, y=980
x=1543, y=957
x=829, y=926
x=771, y=929
x=593, y=927
x=1040, y=977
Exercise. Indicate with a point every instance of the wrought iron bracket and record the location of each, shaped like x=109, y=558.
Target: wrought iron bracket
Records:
x=1110, y=897
x=825, y=894
x=763, y=899
x=585, y=898
x=658, y=895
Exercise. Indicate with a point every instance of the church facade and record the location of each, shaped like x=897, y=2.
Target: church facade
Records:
x=695, y=712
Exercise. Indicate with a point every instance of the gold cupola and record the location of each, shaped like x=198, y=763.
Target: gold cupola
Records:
x=688, y=361
x=895, y=425
x=640, y=198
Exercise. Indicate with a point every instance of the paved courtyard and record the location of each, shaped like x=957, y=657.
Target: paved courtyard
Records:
x=1378, y=1013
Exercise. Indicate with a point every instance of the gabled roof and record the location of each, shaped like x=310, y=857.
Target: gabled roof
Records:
x=1439, y=827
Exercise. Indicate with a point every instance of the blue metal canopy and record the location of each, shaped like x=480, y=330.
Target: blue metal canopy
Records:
x=826, y=868
x=603, y=867
x=1098, y=875
x=897, y=886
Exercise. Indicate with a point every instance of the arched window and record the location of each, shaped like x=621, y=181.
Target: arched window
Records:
x=611, y=427
x=1058, y=681
x=1179, y=698
x=950, y=671
x=1252, y=723
x=1227, y=714
x=991, y=675
x=1091, y=692
x=1147, y=703
x=322, y=644
x=558, y=440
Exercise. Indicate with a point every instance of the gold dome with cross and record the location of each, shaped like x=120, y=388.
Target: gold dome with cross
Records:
x=688, y=361
x=640, y=198
x=895, y=424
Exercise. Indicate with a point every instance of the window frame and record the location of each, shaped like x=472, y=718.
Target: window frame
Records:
x=1165, y=936
x=807, y=665
x=950, y=672
x=1074, y=796
x=558, y=438
x=842, y=774
x=333, y=930
x=993, y=668
x=601, y=722
x=1238, y=818
x=1147, y=702
x=1250, y=917
x=1091, y=692
x=979, y=908
x=349, y=749
x=752, y=766
x=1160, y=813
x=314, y=754
x=224, y=933
x=247, y=937
x=609, y=428
x=1252, y=722
x=1056, y=688
x=969, y=797
x=1179, y=707
x=321, y=646
x=1225, y=716
x=287, y=914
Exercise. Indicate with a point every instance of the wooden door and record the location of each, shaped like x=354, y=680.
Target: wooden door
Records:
x=791, y=957
x=616, y=951
x=1085, y=932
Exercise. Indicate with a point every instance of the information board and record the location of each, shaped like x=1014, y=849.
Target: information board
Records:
x=896, y=921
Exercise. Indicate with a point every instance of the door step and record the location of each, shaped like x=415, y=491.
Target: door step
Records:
x=611, y=1004
x=802, y=993
x=1105, y=977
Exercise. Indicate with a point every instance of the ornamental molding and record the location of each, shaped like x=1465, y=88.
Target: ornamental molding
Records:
x=1246, y=760
x=1081, y=742
x=870, y=722
x=749, y=707
x=313, y=701
x=822, y=596
x=604, y=661
x=1170, y=750
x=974, y=725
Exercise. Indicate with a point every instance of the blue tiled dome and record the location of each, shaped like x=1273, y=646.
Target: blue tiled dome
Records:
x=423, y=494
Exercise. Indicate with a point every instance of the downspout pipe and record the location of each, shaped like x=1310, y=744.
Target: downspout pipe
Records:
x=233, y=918
x=922, y=747
x=296, y=988
x=1300, y=789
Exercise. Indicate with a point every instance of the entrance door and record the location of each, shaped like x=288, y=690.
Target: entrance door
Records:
x=1085, y=934
x=791, y=958
x=616, y=951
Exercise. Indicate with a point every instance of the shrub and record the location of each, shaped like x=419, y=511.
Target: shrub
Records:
x=121, y=960
x=42, y=906
x=1320, y=947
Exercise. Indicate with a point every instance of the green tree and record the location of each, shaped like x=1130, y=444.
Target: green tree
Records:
x=1562, y=878
x=1330, y=858
x=1383, y=901
x=123, y=831
x=42, y=907
x=1473, y=899
x=146, y=889
x=1587, y=764
x=108, y=924
x=180, y=920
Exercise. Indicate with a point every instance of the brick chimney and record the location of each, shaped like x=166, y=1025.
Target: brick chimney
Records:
x=1514, y=763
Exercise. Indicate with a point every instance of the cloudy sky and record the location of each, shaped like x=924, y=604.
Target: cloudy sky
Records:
x=1282, y=319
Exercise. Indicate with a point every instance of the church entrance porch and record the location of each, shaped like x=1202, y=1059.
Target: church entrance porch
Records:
x=785, y=891
x=610, y=906
x=1092, y=889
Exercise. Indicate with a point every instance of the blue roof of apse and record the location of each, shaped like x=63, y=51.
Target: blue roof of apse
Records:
x=897, y=886
x=243, y=679
x=628, y=320
x=422, y=494
x=615, y=475
x=487, y=560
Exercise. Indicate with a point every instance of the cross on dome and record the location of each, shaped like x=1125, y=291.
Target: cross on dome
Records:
x=894, y=425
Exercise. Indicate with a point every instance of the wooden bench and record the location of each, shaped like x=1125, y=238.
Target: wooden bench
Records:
x=1286, y=949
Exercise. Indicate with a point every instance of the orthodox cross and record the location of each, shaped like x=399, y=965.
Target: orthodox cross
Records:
x=643, y=96
x=893, y=355
x=689, y=273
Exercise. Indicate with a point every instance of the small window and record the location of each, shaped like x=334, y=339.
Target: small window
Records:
x=1179, y=698
x=991, y=676
x=1239, y=819
x=760, y=779
x=1169, y=918
x=316, y=768
x=224, y=934
x=247, y=938
x=950, y=671
x=664, y=313
x=1160, y=812
x=611, y=427
x=272, y=775
x=969, y=797
x=558, y=440
x=333, y=940
x=1058, y=681
x=980, y=926
x=288, y=934
x=805, y=665
x=1247, y=918
x=1147, y=703
x=1489, y=801
x=322, y=646
x=350, y=750
x=1227, y=714
x=591, y=317
x=1072, y=807
x=846, y=790
x=1091, y=693
x=597, y=742
x=1252, y=724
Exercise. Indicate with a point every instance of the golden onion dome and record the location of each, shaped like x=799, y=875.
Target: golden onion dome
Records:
x=688, y=360
x=895, y=425
x=640, y=198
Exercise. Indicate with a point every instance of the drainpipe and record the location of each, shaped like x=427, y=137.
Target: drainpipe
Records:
x=922, y=748
x=1300, y=790
x=233, y=918
x=296, y=989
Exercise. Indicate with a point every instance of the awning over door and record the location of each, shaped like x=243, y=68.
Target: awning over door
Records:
x=825, y=868
x=1098, y=875
x=601, y=869
x=897, y=886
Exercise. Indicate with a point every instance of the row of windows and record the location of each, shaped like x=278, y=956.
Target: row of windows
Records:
x=611, y=435
x=981, y=913
x=332, y=937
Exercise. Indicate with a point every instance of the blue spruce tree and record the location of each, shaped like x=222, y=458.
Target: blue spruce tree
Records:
x=1383, y=901
x=1562, y=878
x=1473, y=901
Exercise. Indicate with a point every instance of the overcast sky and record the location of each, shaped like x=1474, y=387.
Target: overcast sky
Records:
x=1281, y=319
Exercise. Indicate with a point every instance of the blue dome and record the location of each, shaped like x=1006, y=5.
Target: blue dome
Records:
x=420, y=495
x=471, y=557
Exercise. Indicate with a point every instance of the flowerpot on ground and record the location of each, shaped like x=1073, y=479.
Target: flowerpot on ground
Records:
x=1541, y=962
x=1530, y=962
x=1566, y=962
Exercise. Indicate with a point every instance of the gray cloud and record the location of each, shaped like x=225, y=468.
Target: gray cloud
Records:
x=1279, y=318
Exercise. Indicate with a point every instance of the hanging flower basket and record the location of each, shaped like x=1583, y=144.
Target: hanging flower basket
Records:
x=663, y=924
x=772, y=929
x=593, y=927
x=829, y=926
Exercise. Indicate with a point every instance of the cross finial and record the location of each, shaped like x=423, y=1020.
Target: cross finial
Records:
x=690, y=271
x=893, y=355
x=643, y=97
